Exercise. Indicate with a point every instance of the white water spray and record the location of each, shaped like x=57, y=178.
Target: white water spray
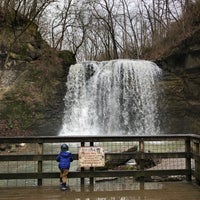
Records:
x=116, y=97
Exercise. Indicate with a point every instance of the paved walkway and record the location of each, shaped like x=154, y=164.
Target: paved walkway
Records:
x=148, y=191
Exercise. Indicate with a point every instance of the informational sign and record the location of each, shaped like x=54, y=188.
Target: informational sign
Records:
x=91, y=156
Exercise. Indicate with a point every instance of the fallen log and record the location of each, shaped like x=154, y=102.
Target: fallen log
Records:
x=113, y=160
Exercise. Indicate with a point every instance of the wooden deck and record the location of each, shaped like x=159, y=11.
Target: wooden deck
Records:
x=148, y=191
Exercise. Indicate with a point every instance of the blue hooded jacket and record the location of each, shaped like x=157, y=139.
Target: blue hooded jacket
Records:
x=64, y=158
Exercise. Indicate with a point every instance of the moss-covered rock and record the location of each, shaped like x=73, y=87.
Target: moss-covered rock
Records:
x=68, y=58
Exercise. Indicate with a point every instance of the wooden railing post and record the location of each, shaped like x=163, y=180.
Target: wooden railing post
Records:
x=82, y=168
x=40, y=165
x=188, y=159
x=92, y=168
x=141, y=150
x=197, y=162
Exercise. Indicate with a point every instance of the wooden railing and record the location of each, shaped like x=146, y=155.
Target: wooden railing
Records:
x=163, y=148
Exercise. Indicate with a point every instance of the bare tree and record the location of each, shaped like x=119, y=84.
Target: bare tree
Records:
x=106, y=29
x=62, y=20
x=104, y=12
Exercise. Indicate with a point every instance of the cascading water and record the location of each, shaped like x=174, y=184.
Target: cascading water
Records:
x=112, y=98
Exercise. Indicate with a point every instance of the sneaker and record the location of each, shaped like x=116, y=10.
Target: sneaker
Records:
x=63, y=186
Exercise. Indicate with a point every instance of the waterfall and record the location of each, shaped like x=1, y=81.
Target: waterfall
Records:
x=117, y=97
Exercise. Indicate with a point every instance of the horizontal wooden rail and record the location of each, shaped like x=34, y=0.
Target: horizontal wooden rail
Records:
x=116, y=155
x=79, y=139
x=88, y=174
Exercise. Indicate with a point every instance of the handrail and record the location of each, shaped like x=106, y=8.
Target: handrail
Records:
x=86, y=138
x=191, y=151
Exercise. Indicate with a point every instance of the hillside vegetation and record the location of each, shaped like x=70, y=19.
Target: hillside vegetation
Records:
x=32, y=78
x=178, y=31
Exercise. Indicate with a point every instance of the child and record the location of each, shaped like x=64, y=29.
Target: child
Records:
x=64, y=158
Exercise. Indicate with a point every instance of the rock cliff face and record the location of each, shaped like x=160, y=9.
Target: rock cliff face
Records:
x=32, y=83
x=181, y=86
